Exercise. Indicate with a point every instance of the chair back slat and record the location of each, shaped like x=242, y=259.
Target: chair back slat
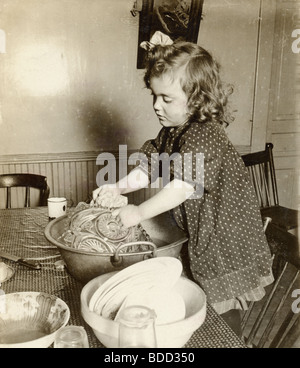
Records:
x=255, y=182
x=8, y=198
x=27, y=197
x=269, y=148
x=263, y=170
x=262, y=174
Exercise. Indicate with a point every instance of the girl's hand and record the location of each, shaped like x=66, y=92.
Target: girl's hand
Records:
x=105, y=195
x=129, y=215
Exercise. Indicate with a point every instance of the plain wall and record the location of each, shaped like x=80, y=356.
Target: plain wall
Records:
x=69, y=83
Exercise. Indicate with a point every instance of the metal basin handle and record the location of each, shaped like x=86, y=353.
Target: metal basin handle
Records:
x=117, y=258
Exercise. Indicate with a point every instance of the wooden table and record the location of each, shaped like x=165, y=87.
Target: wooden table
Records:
x=22, y=234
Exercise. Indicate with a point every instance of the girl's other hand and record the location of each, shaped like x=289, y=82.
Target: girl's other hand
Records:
x=129, y=215
x=105, y=195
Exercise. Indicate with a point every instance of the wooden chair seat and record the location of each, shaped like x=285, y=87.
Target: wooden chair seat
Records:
x=287, y=218
x=28, y=181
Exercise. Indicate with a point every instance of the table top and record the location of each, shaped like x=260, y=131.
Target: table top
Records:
x=22, y=234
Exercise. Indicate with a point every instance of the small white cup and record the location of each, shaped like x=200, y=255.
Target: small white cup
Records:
x=57, y=207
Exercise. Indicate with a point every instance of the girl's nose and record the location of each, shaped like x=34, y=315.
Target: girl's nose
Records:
x=156, y=104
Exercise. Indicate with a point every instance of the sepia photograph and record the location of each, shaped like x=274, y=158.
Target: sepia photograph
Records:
x=149, y=176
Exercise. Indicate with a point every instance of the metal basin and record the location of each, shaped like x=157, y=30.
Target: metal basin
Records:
x=167, y=237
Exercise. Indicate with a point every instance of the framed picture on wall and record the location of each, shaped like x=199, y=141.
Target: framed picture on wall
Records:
x=176, y=18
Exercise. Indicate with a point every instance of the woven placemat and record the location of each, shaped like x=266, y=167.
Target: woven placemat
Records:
x=22, y=234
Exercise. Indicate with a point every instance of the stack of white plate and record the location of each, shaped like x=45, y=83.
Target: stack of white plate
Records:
x=148, y=283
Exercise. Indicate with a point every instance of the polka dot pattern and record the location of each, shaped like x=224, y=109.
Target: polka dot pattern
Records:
x=227, y=248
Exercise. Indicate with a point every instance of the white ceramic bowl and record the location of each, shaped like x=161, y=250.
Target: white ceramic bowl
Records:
x=172, y=335
x=31, y=319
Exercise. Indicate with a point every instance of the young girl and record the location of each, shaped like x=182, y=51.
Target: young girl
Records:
x=227, y=249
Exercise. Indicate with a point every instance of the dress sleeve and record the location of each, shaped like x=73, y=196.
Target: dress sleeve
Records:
x=149, y=156
x=148, y=149
x=202, y=152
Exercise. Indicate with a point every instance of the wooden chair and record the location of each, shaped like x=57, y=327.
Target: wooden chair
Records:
x=262, y=172
x=274, y=322
x=28, y=181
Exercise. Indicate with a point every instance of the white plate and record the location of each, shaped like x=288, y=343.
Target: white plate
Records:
x=110, y=285
x=119, y=294
x=168, y=305
x=162, y=271
x=126, y=287
x=166, y=269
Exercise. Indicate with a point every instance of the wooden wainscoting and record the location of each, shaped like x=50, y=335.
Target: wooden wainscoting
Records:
x=70, y=175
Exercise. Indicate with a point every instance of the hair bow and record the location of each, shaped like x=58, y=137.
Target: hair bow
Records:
x=158, y=39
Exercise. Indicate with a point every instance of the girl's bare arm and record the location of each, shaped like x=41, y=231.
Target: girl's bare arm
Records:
x=168, y=198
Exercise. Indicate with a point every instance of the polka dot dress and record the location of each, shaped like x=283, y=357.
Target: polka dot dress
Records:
x=227, y=249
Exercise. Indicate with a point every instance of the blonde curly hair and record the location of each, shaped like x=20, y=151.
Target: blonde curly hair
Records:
x=199, y=77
